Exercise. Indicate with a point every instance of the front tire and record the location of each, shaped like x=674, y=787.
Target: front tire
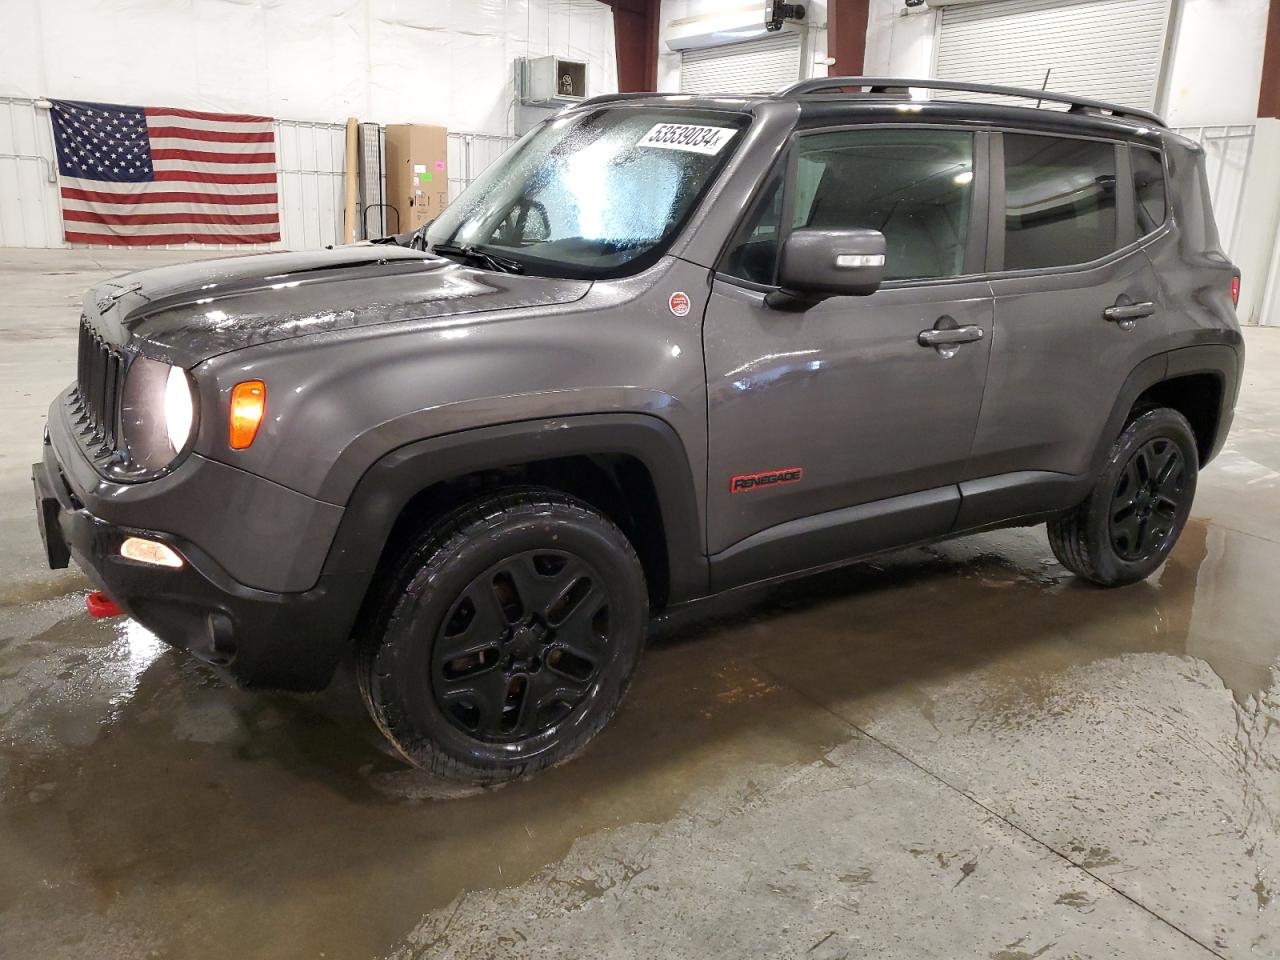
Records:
x=506, y=637
x=1141, y=501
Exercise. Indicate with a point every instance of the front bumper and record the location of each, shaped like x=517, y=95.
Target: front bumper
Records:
x=260, y=638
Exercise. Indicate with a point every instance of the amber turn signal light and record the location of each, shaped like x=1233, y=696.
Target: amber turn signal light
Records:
x=248, y=406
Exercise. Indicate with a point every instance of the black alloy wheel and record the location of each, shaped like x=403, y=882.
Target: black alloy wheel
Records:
x=1139, y=502
x=1145, y=505
x=505, y=636
x=522, y=645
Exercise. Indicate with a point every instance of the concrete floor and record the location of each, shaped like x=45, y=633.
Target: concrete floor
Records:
x=953, y=752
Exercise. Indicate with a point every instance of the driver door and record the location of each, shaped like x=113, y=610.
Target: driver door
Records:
x=833, y=432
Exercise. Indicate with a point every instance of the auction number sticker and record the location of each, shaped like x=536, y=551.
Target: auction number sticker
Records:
x=688, y=137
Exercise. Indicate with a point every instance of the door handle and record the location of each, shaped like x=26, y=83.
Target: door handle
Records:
x=1128, y=312
x=943, y=338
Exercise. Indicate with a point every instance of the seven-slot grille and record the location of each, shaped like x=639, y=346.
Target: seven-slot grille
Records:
x=99, y=384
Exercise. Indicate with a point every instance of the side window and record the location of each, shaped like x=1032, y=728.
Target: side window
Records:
x=754, y=250
x=1148, y=189
x=912, y=185
x=1060, y=200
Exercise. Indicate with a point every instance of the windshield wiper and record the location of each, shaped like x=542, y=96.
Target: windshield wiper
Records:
x=479, y=258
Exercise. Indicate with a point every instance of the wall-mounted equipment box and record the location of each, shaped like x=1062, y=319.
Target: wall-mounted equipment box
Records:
x=417, y=159
x=550, y=81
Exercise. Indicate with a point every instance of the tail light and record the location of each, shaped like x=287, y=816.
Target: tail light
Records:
x=1235, y=290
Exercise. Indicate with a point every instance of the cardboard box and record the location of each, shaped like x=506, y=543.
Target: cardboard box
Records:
x=417, y=157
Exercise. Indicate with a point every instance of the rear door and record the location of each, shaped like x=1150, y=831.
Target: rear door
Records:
x=840, y=406
x=1077, y=308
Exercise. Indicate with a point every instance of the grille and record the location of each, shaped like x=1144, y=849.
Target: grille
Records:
x=99, y=385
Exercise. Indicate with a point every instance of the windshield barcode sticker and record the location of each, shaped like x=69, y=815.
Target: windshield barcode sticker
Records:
x=689, y=137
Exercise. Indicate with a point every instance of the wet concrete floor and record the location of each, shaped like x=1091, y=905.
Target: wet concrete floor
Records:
x=957, y=751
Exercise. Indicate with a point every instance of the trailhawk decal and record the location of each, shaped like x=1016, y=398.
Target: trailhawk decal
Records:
x=688, y=137
x=770, y=478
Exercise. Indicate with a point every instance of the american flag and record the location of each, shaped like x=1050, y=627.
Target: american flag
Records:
x=156, y=175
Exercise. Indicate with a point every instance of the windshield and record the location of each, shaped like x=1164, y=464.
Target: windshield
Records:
x=592, y=194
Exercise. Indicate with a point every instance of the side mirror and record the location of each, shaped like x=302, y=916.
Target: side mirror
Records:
x=816, y=264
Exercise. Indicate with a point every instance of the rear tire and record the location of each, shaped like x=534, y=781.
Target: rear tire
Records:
x=1131, y=520
x=506, y=636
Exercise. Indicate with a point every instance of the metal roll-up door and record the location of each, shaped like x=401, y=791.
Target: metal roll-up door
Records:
x=753, y=66
x=1105, y=49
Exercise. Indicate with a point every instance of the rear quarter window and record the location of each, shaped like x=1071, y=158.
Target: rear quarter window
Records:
x=1150, y=203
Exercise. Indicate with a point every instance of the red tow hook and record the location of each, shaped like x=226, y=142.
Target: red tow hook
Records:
x=100, y=605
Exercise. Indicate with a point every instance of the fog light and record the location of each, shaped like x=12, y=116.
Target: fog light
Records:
x=149, y=551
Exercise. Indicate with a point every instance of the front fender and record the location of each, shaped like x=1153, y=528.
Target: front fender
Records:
x=336, y=402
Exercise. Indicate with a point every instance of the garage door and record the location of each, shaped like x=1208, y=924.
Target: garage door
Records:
x=753, y=66
x=1106, y=49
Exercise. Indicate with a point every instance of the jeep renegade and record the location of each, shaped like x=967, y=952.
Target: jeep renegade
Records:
x=665, y=347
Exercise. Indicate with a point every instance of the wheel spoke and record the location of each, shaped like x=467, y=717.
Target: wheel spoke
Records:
x=554, y=686
x=1168, y=467
x=1170, y=487
x=539, y=591
x=578, y=632
x=479, y=698
x=539, y=691
x=483, y=627
x=1127, y=488
x=1142, y=467
x=1140, y=535
x=1128, y=530
x=1123, y=510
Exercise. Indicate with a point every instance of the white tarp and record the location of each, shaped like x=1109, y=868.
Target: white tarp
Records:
x=447, y=62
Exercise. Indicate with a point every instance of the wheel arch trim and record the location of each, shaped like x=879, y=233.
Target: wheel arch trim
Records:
x=391, y=482
x=1217, y=359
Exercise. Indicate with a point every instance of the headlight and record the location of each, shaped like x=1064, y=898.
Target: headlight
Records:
x=179, y=409
x=157, y=416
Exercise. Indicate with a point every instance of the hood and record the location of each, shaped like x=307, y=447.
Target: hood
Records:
x=188, y=313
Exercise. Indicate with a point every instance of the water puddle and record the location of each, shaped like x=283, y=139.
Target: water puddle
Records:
x=133, y=784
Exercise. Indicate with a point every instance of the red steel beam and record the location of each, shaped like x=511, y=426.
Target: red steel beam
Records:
x=635, y=35
x=847, y=36
x=1269, y=93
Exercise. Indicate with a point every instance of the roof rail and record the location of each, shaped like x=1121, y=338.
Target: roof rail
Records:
x=615, y=98
x=890, y=88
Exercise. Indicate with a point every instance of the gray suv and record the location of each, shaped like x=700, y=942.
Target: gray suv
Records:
x=665, y=347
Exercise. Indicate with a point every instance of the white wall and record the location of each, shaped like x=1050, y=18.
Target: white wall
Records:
x=897, y=45
x=707, y=15
x=447, y=62
x=1216, y=63
x=1211, y=72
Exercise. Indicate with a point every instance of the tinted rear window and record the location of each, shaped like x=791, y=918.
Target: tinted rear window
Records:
x=1060, y=201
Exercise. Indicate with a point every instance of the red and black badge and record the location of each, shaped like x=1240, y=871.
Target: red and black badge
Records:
x=770, y=478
